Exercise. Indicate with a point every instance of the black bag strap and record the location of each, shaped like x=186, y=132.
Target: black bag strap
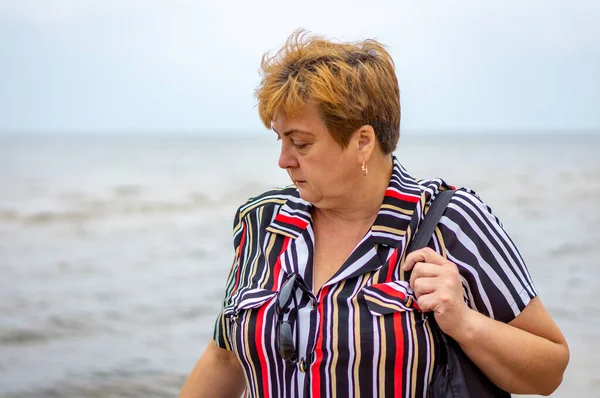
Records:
x=455, y=374
x=419, y=241
x=431, y=220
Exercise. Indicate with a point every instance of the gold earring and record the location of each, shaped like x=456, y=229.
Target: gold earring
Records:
x=364, y=168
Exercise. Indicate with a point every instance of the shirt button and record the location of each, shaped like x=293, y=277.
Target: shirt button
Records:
x=302, y=365
x=408, y=301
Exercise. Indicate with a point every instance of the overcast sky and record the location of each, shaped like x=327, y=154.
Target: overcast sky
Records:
x=125, y=65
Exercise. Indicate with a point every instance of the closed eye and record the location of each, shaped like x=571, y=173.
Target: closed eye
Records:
x=299, y=146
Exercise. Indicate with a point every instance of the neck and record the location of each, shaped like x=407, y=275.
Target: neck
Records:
x=363, y=199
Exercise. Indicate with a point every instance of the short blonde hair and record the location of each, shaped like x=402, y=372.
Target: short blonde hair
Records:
x=351, y=84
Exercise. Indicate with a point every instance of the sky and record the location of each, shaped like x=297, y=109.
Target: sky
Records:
x=147, y=66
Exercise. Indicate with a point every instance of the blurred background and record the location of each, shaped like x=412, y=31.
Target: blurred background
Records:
x=129, y=136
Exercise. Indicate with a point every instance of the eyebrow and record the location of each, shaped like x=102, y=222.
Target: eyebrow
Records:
x=292, y=131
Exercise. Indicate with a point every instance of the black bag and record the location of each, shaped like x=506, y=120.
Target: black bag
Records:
x=455, y=375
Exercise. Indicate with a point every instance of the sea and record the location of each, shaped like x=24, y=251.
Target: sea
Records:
x=114, y=248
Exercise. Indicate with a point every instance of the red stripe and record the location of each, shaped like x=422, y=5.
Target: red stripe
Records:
x=399, y=360
x=258, y=338
x=401, y=196
x=296, y=221
x=277, y=267
x=391, y=265
x=260, y=346
x=238, y=259
x=392, y=292
x=314, y=370
x=395, y=293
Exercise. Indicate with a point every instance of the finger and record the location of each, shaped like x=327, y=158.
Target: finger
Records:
x=433, y=301
x=423, y=286
x=425, y=255
x=427, y=302
x=424, y=270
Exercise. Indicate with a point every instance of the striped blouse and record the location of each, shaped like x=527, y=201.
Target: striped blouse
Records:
x=362, y=333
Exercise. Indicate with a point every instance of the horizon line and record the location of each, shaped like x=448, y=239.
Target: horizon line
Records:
x=250, y=132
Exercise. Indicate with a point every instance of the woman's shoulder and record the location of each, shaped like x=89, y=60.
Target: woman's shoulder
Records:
x=430, y=188
x=464, y=198
x=269, y=200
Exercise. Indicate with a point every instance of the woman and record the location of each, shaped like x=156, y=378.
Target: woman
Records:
x=317, y=302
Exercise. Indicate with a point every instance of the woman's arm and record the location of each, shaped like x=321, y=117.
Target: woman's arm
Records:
x=216, y=374
x=527, y=356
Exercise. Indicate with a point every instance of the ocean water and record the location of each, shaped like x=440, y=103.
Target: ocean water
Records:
x=114, y=248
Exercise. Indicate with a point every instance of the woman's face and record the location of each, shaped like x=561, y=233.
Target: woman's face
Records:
x=323, y=172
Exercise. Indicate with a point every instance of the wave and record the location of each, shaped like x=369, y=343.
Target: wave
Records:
x=55, y=327
x=22, y=336
x=567, y=249
x=109, y=320
x=116, y=383
x=123, y=201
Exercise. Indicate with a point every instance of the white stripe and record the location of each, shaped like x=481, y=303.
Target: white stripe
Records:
x=428, y=357
x=351, y=340
x=303, y=327
x=500, y=237
x=408, y=364
x=388, y=235
x=376, y=354
x=282, y=228
x=329, y=347
x=353, y=267
x=490, y=271
x=302, y=250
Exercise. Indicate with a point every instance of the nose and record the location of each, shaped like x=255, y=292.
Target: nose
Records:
x=286, y=157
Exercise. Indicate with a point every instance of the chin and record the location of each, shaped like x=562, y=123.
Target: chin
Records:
x=305, y=195
x=308, y=195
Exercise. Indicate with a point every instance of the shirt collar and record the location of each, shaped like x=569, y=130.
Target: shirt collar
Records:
x=399, y=203
x=401, y=198
x=293, y=217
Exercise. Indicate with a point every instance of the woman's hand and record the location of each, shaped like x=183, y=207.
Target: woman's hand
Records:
x=527, y=356
x=438, y=288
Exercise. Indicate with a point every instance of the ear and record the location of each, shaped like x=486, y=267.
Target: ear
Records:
x=366, y=141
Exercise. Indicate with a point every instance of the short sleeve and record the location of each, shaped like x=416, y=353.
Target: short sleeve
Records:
x=495, y=278
x=221, y=331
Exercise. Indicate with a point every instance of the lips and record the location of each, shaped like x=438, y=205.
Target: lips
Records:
x=296, y=180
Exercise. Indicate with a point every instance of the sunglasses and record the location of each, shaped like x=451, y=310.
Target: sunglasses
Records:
x=286, y=344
